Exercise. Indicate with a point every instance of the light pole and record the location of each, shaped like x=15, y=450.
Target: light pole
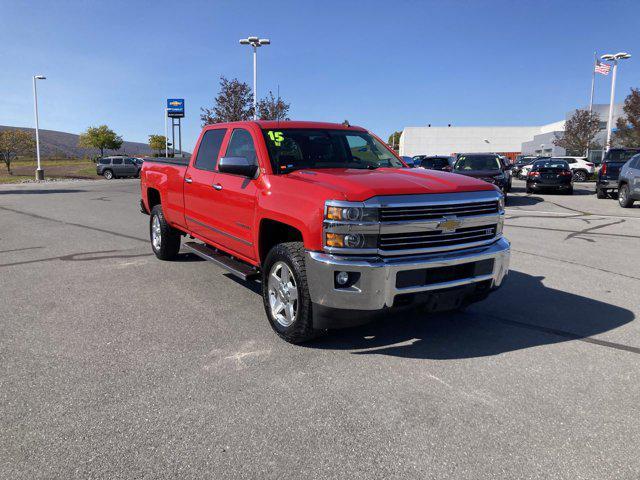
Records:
x=39, y=171
x=613, y=58
x=166, y=133
x=542, y=149
x=255, y=42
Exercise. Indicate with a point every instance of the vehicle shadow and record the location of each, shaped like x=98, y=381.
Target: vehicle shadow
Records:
x=506, y=321
x=40, y=192
x=522, y=201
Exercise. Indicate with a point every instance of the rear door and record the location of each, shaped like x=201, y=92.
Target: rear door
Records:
x=235, y=199
x=118, y=166
x=200, y=196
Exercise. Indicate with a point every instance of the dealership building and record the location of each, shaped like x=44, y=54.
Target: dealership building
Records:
x=509, y=141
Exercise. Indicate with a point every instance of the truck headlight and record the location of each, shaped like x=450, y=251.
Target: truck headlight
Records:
x=350, y=240
x=347, y=213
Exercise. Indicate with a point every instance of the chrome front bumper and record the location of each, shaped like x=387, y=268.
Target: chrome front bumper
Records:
x=376, y=287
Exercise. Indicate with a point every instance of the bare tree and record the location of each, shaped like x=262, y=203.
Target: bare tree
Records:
x=628, y=127
x=272, y=108
x=579, y=133
x=14, y=142
x=233, y=103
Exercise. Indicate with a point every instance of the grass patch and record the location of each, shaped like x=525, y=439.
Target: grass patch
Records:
x=15, y=178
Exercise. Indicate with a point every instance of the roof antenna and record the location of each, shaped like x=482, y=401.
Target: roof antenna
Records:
x=346, y=123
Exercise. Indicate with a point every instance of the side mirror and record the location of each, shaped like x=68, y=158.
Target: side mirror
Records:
x=237, y=166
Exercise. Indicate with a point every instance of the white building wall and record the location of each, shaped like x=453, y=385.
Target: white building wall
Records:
x=448, y=140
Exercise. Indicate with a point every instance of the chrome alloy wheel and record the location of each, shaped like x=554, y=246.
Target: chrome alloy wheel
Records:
x=283, y=294
x=156, y=233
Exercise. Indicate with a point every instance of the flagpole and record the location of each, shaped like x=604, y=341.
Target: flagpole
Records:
x=593, y=85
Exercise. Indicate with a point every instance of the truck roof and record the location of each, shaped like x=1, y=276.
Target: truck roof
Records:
x=275, y=124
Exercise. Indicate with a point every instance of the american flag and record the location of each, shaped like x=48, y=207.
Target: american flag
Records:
x=602, y=68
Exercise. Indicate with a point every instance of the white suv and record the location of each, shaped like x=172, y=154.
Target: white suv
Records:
x=581, y=169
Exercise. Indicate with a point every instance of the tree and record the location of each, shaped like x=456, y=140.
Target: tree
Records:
x=579, y=133
x=271, y=108
x=628, y=126
x=394, y=140
x=233, y=103
x=157, y=142
x=102, y=138
x=14, y=142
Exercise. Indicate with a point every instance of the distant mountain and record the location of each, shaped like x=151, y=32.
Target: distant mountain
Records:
x=62, y=144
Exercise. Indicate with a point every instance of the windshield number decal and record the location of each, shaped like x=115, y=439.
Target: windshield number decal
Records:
x=276, y=137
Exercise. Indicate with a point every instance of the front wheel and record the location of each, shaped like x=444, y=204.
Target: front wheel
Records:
x=600, y=193
x=624, y=198
x=165, y=240
x=285, y=293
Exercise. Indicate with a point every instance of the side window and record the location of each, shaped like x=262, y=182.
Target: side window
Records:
x=117, y=161
x=105, y=161
x=570, y=160
x=635, y=162
x=129, y=161
x=209, y=149
x=241, y=145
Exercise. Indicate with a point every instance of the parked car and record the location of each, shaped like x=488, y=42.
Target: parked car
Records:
x=330, y=219
x=581, y=168
x=508, y=166
x=629, y=182
x=614, y=159
x=117, y=166
x=436, y=162
x=520, y=163
x=485, y=166
x=525, y=169
x=550, y=174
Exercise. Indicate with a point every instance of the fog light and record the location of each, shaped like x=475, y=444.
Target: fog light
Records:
x=342, y=278
x=352, y=240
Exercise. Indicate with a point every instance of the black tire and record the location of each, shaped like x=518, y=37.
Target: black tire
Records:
x=580, y=176
x=108, y=175
x=292, y=255
x=624, y=199
x=600, y=193
x=169, y=244
x=569, y=191
x=529, y=189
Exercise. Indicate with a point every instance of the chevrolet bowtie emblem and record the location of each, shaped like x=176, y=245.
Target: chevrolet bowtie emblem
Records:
x=449, y=224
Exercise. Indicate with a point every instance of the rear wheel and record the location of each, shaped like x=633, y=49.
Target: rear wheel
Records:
x=624, y=199
x=580, y=176
x=600, y=193
x=108, y=174
x=285, y=293
x=165, y=240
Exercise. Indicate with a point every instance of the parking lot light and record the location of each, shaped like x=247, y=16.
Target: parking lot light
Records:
x=255, y=42
x=612, y=57
x=39, y=171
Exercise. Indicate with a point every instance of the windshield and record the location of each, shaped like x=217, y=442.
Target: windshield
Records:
x=559, y=164
x=294, y=149
x=477, y=162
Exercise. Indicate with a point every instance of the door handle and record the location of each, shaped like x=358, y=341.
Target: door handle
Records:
x=188, y=180
x=217, y=186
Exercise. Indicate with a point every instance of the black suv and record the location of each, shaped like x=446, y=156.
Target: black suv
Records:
x=613, y=161
x=485, y=166
x=436, y=162
x=118, y=166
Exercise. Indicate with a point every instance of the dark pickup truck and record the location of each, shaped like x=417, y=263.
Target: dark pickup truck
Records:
x=612, y=163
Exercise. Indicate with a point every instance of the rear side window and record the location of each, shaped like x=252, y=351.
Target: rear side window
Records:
x=117, y=161
x=209, y=149
x=105, y=161
x=241, y=145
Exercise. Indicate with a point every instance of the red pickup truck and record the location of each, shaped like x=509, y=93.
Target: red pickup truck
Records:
x=330, y=220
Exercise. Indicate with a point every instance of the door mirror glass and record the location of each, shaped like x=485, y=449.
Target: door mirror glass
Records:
x=237, y=166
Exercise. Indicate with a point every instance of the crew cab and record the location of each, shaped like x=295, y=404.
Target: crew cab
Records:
x=330, y=220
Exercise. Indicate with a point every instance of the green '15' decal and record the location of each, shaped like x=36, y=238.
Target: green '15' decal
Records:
x=276, y=137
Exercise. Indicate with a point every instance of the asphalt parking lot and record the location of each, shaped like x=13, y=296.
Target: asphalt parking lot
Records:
x=117, y=365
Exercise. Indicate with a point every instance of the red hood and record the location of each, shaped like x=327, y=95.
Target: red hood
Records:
x=358, y=185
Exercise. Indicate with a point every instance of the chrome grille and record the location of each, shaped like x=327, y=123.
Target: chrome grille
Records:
x=436, y=238
x=427, y=212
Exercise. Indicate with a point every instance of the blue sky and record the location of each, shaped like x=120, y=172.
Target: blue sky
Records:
x=382, y=65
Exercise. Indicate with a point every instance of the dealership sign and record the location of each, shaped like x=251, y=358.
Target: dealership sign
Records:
x=175, y=107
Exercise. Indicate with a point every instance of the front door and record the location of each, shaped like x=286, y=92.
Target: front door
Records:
x=200, y=196
x=236, y=199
